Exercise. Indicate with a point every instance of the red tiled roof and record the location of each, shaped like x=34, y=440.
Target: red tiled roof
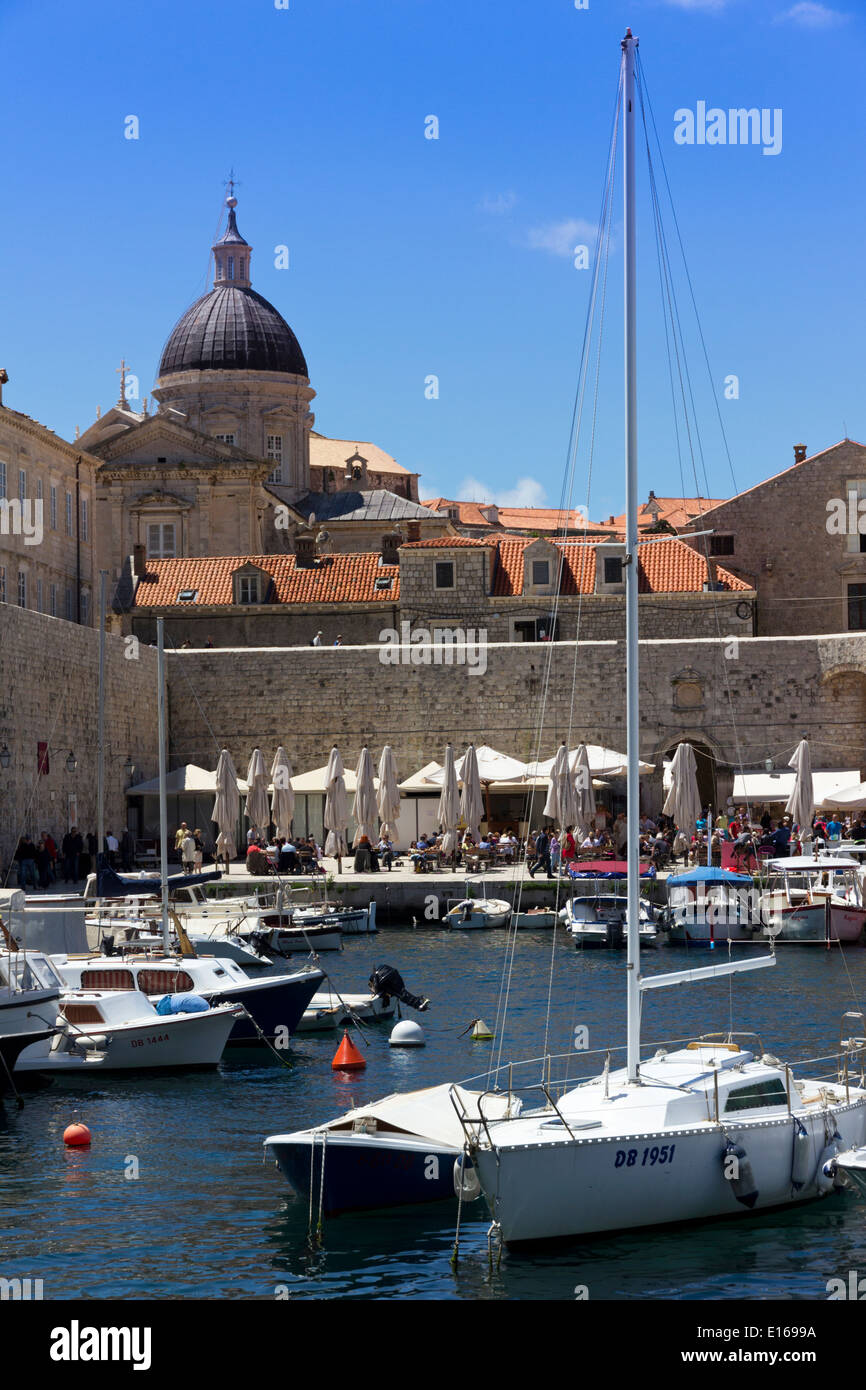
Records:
x=516, y=518
x=333, y=579
x=677, y=511
x=448, y=541
x=667, y=566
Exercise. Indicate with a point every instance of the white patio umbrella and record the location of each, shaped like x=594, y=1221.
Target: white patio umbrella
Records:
x=559, y=806
x=364, y=805
x=448, y=812
x=283, y=795
x=336, y=807
x=471, y=808
x=388, y=798
x=584, y=792
x=258, y=813
x=226, y=806
x=800, y=805
x=683, y=801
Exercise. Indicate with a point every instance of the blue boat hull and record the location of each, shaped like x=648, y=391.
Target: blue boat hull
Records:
x=274, y=1005
x=363, y=1176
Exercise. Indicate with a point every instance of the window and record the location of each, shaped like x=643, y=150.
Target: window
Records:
x=2, y=479
x=225, y=438
x=22, y=589
x=537, y=630
x=219, y=267
x=85, y=607
x=2, y=583
x=187, y=596
x=759, y=1095
x=383, y=582
x=39, y=608
x=541, y=571
x=721, y=545
x=84, y=520
x=69, y=513
x=52, y=508
x=40, y=490
x=248, y=588
x=275, y=451
x=444, y=574
x=241, y=268
x=22, y=486
x=612, y=569
x=856, y=607
x=161, y=540
x=70, y=605
x=231, y=267
x=52, y=600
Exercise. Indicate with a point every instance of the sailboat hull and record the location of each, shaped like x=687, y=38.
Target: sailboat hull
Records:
x=567, y=1188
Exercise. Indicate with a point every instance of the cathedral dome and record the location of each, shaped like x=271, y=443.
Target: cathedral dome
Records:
x=231, y=328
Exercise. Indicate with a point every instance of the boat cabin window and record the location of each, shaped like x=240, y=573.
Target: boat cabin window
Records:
x=164, y=981
x=757, y=1095
x=107, y=979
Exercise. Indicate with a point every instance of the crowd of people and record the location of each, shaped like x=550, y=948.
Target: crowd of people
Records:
x=42, y=864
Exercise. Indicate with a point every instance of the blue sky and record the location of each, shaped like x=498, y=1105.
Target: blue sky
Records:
x=411, y=257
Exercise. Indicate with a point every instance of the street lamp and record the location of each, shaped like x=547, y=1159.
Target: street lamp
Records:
x=128, y=769
x=71, y=762
x=769, y=764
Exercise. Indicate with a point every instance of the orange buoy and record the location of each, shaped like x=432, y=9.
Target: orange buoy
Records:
x=76, y=1136
x=348, y=1057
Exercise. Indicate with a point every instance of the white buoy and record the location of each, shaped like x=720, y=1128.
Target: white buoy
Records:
x=480, y=1031
x=407, y=1034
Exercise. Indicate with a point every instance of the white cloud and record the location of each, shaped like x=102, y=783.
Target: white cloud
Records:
x=808, y=14
x=527, y=492
x=560, y=238
x=500, y=204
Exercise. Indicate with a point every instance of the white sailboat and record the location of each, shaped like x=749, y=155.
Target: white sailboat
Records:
x=711, y=1129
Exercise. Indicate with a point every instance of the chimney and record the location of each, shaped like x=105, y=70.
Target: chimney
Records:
x=305, y=550
x=799, y=453
x=4, y=377
x=139, y=566
x=390, y=546
x=413, y=531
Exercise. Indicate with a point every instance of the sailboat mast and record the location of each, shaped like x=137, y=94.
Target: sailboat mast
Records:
x=163, y=798
x=629, y=46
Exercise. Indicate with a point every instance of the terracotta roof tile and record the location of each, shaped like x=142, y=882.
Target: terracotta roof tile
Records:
x=448, y=541
x=333, y=579
x=665, y=567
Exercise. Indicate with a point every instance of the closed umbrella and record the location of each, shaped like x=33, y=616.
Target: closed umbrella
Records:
x=800, y=805
x=226, y=806
x=471, y=807
x=559, y=806
x=258, y=812
x=584, y=792
x=283, y=796
x=683, y=801
x=364, y=806
x=336, y=807
x=448, y=812
x=388, y=800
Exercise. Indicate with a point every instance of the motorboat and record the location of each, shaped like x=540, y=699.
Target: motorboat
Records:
x=599, y=919
x=352, y=921
x=813, y=901
x=470, y=914
x=706, y=905
x=30, y=988
x=328, y=1010
x=714, y=1128
x=135, y=929
x=393, y=1152
x=122, y=1030
x=274, y=1005
x=11, y=1047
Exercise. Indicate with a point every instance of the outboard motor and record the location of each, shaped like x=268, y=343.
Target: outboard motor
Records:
x=616, y=930
x=108, y=946
x=385, y=981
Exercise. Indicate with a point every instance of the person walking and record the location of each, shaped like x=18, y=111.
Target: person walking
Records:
x=542, y=854
x=199, y=850
x=25, y=856
x=112, y=845
x=317, y=640
x=187, y=853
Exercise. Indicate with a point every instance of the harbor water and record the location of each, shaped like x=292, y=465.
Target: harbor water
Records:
x=174, y=1199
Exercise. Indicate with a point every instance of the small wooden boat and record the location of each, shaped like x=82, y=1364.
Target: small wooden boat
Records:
x=534, y=918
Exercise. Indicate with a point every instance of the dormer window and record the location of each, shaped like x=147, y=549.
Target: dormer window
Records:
x=612, y=569
x=249, y=588
x=541, y=571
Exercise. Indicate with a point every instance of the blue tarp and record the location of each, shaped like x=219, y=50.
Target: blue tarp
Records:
x=707, y=875
x=182, y=1004
x=110, y=884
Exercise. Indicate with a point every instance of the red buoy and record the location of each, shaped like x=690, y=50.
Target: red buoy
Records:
x=77, y=1136
x=348, y=1057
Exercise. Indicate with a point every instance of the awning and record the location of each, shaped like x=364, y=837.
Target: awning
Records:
x=187, y=780
x=777, y=786
x=603, y=762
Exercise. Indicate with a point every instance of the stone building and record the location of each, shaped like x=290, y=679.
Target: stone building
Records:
x=799, y=539
x=47, y=521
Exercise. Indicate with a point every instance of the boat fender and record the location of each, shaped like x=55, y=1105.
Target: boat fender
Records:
x=801, y=1159
x=826, y=1177
x=466, y=1179
x=182, y=1004
x=738, y=1171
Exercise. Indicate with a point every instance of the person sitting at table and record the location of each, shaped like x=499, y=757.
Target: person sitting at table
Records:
x=287, y=861
x=385, y=849
x=418, y=855
x=363, y=855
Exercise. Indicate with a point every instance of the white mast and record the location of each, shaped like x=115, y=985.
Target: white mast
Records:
x=629, y=45
x=163, y=800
